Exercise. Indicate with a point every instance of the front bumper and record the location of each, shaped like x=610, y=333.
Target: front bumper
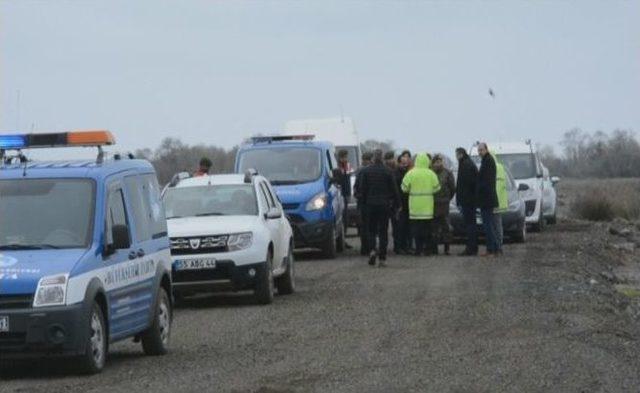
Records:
x=310, y=234
x=50, y=331
x=226, y=276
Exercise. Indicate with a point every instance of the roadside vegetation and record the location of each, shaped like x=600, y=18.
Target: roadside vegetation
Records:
x=602, y=200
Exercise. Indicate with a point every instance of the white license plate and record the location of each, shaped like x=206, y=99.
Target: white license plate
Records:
x=195, y=264
x=4, y=324
x=479, y=220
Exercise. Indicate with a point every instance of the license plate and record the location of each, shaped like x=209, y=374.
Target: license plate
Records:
x=195, y=264
x=479, y=220
x=4, y=324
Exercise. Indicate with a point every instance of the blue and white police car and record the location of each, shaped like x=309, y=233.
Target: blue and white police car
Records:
x=84, y=253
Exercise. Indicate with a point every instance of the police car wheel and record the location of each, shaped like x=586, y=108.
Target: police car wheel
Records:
x=155, y=340
x=265, y=286
x=286, y=283
x=94, y=358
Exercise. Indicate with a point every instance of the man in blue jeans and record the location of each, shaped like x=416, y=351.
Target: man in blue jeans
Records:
x=488, y=199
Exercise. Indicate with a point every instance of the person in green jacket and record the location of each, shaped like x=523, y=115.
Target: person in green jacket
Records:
x=503, y=201
x=421, y=183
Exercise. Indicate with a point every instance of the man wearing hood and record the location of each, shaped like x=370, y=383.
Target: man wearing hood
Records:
x=503, y=202
x=466, y=189
x=421, y=183
x=488, y=199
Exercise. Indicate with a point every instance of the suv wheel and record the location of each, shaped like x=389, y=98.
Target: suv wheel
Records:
x=286, y=283
x=264, y=287
x=330, y=248
x=553, y=219
x=155, y=340
x=521, y=235
x=539, y=226
x=95, y=353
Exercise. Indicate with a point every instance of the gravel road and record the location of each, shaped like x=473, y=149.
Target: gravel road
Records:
x=532, y=321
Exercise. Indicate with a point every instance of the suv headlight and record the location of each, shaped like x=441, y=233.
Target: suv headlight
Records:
x=318, y=202
x=239, y=241
x=52, y=291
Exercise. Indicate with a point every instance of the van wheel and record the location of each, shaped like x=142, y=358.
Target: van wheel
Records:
x=155, y=340
x=341, y=239
x=95, y=353
x=330, y=248
x=286, y=283
x=264, y=287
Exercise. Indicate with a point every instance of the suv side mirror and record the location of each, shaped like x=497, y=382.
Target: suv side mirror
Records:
x=273, y=214
x=523, y=187
x=121, y=241
x=555, y=180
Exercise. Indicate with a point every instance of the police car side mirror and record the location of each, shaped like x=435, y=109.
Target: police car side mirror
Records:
x=273, y=214
x=523, y=187
x=121, y=241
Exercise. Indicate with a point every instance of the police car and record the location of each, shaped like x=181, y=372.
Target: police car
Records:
x=228, y=232
x=84, y=253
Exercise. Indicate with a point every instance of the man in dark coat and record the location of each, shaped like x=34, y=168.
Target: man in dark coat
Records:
x=488, y=198
x=345, y=186
x=363, y=224
x=391, y=163
x=442, y=198
x=403, y=233
x=381, y=198
x=466, y=189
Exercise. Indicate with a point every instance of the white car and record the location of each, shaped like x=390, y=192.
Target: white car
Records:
x=228, y=232
x=523, y=161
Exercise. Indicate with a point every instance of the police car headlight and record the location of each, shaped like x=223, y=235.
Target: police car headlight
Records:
x=318, y=202
x=52, y=291
x=239, y=241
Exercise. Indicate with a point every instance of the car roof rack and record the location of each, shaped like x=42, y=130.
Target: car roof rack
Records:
x=280, y=138
x=249, y=174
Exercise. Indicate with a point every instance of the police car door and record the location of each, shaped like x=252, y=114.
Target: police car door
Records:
x=129, y=298
x=273, y=225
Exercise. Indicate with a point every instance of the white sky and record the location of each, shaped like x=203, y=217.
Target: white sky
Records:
x=415, y=72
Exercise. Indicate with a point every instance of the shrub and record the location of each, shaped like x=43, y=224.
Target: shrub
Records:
x=593, y=206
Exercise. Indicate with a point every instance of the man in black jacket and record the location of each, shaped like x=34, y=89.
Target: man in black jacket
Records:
x=403, y=236
x=380, y=197
x=363, y=223
x=488, y=198
x=466, y=189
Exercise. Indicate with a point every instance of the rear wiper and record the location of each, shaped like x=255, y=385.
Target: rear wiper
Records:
x=17, y=246
x=209, y=214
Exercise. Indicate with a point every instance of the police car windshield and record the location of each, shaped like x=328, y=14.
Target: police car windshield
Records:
x=46, y=213
x=284, y=165
x=521, y=166
x=216, y=200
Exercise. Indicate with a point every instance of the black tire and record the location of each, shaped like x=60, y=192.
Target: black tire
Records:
x=330, y=248
x=553, y=219
x=341, y=239
x=263, y=292
x=286, y=283
x=155, y=340
x=521, y=235
x=95, y=354
x=539, y=226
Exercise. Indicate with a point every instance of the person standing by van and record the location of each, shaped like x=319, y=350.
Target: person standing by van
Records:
x=441, y=226
x=488, y=198
x=403, y=227
x=363, y=223
x=421, y=183
x=381, y=198
x=345, y=186
x=466, y=189
x=204, y=167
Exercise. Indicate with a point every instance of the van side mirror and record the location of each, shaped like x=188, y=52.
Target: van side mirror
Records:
x=273, y=214
x=121, y=240
x=555, y=180
x=523, y=187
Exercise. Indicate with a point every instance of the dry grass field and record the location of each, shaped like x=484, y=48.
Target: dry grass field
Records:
x=600, y=199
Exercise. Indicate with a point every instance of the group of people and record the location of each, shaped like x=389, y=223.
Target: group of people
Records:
x=414, y=195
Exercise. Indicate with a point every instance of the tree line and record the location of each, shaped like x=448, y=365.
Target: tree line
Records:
x=583, y=154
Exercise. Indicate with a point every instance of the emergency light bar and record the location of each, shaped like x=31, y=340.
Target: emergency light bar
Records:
x=276, y=138
x=59, y=139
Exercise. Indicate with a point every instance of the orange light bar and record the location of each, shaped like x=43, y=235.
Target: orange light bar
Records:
x=90, y=138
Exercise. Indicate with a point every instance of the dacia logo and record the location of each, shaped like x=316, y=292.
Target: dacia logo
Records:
x=194, y=243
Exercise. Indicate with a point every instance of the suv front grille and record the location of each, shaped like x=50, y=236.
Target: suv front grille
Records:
x=15, y=301
x=530, y=207
x=198, y=244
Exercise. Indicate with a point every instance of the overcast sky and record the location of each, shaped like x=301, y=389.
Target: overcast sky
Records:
x=415, y=72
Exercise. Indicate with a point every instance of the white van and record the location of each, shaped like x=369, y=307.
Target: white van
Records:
x=523, y=161
x=341, y=131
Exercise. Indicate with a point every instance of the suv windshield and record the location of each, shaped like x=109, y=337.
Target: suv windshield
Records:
x=218, y=200
x=293, y=164
x=521, y=166
x=46, y=213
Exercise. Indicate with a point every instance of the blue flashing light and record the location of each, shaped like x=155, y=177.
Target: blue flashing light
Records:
x=12, y=142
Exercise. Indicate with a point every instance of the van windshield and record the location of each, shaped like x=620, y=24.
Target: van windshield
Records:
x=521, y=166
x=46, y=213
x=217, y=200
x=284, y=165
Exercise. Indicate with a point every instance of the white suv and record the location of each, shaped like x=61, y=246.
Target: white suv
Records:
x=228, y=232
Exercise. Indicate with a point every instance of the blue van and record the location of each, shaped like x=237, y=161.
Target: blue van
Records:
x=302, y=172
x=84, y=253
